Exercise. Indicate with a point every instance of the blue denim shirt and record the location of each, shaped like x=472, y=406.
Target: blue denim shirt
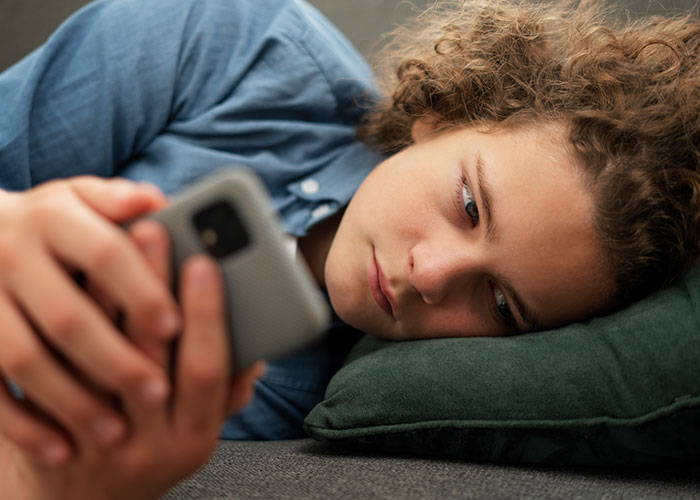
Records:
x=169, y=90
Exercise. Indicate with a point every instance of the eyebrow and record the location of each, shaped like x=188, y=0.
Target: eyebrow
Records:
x=484, y=190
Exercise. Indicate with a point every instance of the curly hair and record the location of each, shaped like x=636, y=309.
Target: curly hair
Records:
x=627, y=92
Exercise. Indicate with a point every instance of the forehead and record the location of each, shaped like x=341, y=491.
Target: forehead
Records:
x=546, y=242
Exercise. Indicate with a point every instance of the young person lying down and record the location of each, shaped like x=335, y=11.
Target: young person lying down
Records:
x=523, y=167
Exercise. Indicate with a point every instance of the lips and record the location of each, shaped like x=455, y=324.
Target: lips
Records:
x=377, y=283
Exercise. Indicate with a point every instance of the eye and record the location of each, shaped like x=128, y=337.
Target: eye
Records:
x=467, y=199
x=502, y=309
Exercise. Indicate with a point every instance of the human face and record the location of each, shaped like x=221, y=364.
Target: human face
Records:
x=469, y=232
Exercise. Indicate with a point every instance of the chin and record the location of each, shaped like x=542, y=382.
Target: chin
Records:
x=340, y=291
x=343, y=302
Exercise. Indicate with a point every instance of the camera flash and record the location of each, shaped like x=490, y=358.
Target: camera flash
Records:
x=209, y=237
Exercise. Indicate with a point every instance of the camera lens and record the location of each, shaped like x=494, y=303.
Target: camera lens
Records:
x=220, y=229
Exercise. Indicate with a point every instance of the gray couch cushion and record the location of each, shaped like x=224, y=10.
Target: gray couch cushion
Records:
x=305, y=469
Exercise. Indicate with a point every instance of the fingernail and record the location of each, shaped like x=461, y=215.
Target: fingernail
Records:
x=152, y=248
x=202, y=274
x=154, y=392
x=167, y=324
x=107, y=430
x=54, y=453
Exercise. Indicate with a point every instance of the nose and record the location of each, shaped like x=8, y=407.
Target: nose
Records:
x=440, y=269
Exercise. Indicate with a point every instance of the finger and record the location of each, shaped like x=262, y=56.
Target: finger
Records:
x=25, y=360
x=102, y=298
x=118, y=199
x=105, y=253
x=202, y=359
x=41, y=440
x=152, y=240
x=72, y=324
x=242, y=387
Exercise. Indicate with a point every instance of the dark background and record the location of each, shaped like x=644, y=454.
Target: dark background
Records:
x=24, y=24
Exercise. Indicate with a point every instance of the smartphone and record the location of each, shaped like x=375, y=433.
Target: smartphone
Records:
x=273, y=306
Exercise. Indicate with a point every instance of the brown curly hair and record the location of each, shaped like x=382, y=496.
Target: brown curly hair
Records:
x=628, y=93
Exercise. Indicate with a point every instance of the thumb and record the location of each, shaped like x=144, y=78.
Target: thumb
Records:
x=118, y=199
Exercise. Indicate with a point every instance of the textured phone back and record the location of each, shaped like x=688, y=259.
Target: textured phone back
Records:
x=274, y=307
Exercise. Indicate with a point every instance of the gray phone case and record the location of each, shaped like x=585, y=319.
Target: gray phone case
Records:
x=273, y=305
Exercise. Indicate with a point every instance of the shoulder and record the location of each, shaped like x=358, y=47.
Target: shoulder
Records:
x=334, y=54
x=307, y=42
x=265, y=54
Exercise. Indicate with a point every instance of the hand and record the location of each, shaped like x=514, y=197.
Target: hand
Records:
x=153, y=241
x=54, y=337
x=166, y=443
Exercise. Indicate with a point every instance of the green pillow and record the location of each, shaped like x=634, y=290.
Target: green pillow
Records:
x=618, y=390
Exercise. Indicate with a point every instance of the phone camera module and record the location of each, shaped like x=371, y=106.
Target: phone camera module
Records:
x=220, y=229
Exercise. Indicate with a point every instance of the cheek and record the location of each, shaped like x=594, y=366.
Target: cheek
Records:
x=343, y=270
x=394, y=188
x=403, y=215
x=432, y=324
x=460, y=318
x=345, y=292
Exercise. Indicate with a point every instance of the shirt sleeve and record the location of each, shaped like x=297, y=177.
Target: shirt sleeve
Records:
x=105, y=84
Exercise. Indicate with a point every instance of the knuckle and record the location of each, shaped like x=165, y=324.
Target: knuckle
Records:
x=149, y=304
x=62, y=321
x=129, y=378
x=104, y=253
x=78, y=411
x=204, y=374
x=20, y=362
x=147, y=229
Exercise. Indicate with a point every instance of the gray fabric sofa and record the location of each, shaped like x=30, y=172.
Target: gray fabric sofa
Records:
x=309, y=469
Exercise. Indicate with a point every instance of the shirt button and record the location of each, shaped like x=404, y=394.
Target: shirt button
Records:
x=320, y=211
x=310, y=186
